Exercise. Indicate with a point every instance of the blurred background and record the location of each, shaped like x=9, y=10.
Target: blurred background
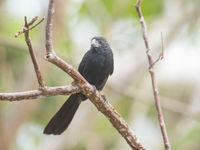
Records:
x=128, y=89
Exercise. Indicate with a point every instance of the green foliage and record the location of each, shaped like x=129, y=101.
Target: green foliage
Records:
x=151, y=8
x=187, y=141
x=121, y=9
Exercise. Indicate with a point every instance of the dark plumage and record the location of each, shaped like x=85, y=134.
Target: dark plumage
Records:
x=95, y=67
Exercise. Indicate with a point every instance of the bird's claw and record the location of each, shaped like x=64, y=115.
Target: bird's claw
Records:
x=104, y=97
x=95, y=89
x=105, y=100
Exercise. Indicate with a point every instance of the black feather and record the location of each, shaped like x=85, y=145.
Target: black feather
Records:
x=95, y=67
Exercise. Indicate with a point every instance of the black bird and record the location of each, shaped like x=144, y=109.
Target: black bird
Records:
x=95, y=67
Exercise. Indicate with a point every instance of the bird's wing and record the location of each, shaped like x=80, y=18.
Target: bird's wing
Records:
x=103, y=84
x=82, y=63
x=112, y=67
x=112, y=64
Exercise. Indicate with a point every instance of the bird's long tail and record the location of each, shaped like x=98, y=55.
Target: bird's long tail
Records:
x=63, y=117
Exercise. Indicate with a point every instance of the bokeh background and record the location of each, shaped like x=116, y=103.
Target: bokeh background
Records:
x=128, y=89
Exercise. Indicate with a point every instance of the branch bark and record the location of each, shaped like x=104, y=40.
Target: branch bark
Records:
x=31, y=52
x=49, y=28
x=35, y=94
x=153, y=79
x=80, y=84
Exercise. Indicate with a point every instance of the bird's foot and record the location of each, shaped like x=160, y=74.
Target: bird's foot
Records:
x=95, y=89
x=105, y=100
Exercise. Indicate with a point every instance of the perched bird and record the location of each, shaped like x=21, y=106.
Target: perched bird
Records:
x=95, y=67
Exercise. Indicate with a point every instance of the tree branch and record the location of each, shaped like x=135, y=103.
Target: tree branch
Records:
x=36, y=24
x=49, y=28
x=53, y=58
x=87, y=89
x=80, y=84
x=35, y=94
x=161, y=55
x=23, y=29
x=153, y=79
x=28, y=42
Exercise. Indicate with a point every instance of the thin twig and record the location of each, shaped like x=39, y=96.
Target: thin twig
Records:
x=32, y=21
x=20, y=32
x=151, y=71
x=23, y=29
x=36, y=67
x=36, y=24
x=161, y=55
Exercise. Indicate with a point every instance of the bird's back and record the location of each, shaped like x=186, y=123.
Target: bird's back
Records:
x=96, y=66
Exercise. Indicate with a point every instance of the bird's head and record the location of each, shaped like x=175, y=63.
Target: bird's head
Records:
x=99, y=42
